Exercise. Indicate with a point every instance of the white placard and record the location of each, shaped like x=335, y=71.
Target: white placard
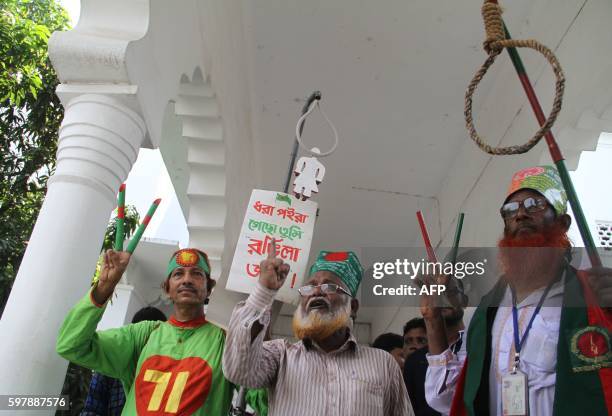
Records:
x=290, y=222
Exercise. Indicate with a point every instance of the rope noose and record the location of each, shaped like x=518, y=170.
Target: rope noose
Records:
x=494, y=44
x=298, y=134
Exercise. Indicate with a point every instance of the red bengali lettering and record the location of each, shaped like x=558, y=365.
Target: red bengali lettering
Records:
x=263, y=208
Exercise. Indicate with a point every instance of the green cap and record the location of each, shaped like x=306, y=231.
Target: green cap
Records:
x=344, y=264
x=544, y=180
x=189, y=257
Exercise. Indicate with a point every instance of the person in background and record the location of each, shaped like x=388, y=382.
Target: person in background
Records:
x=106, y=396
x=415, y=336
x=415, y=367
x=393, y=344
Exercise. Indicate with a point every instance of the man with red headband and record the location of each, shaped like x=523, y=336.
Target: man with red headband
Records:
x=166, y=368
x=535, y=345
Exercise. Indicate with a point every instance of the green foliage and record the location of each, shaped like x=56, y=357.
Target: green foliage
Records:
x=130, y=223
x=30, y=116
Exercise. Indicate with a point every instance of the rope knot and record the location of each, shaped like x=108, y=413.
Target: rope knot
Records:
x=494, y=27
x=496, y=41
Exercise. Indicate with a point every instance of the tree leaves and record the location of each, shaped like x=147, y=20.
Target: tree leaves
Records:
x=130, y=223
x=30, y=116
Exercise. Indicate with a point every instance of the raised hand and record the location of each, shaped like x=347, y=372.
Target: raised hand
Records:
x=273, y=271
x=432, y=303
x=600, y=280
x=431, y=308
x=113, y=267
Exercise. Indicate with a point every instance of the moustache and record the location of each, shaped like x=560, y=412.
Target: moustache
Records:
x=318, y=302
x=553, y=236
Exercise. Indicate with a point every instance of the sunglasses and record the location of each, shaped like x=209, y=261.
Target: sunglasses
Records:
x=531, y=205
x=325, y=288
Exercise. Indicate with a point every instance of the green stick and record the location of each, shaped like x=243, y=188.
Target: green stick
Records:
x=119, y=232
x=142, y=227
x=454, y=251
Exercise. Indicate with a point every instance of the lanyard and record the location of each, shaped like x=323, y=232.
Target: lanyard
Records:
x=518, y=343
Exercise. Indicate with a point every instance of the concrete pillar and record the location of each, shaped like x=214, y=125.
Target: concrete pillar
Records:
x=98, y=143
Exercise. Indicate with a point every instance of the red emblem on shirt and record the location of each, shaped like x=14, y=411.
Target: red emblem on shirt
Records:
x=592, y=344
x=165, y=386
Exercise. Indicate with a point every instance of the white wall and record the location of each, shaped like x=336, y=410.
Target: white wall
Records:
x=593, y=183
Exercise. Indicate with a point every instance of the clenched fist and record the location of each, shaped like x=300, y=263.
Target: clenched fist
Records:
x=273, y=271
x=113, y=267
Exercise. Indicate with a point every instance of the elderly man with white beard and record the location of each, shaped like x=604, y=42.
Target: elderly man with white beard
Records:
x=326, y=372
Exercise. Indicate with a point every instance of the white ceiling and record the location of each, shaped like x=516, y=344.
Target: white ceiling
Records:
x=393, y=76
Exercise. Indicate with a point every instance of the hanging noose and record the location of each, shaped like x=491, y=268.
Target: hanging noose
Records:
x=494, y=44
x=298, y=133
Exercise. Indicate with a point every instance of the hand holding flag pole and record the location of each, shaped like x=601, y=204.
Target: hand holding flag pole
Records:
x=452, y=286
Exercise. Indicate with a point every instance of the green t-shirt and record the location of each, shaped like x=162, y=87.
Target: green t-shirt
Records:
x=166, y=367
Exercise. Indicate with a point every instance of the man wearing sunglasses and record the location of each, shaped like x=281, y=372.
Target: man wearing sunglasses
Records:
x=326, y=372
x=535, y=345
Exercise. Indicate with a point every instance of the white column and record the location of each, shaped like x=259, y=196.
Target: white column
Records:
x=98, y=143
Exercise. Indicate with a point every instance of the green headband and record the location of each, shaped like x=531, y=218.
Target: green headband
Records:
x=188, y=257
x=344, y=264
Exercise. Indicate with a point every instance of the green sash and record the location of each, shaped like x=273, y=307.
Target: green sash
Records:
x=578, y=389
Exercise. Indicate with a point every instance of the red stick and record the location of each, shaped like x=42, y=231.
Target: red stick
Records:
x=430, y=251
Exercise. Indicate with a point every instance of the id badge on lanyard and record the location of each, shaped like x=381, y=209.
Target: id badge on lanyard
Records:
x=515, y=386
x=515, y=396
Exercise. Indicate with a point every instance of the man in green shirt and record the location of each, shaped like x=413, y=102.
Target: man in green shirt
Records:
x=166, y=368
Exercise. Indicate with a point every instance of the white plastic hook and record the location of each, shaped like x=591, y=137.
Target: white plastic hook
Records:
x=299, y=137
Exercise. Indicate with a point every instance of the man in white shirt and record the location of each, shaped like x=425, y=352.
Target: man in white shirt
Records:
x=538, y=343
x=326, y=372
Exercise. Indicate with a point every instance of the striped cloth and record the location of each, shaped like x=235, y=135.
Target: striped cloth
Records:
x=304, y=380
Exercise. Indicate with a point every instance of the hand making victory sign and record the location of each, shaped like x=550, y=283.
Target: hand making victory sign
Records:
x=113, y=267
x=273, y=271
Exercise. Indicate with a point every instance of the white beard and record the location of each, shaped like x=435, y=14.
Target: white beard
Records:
x=319, y=324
